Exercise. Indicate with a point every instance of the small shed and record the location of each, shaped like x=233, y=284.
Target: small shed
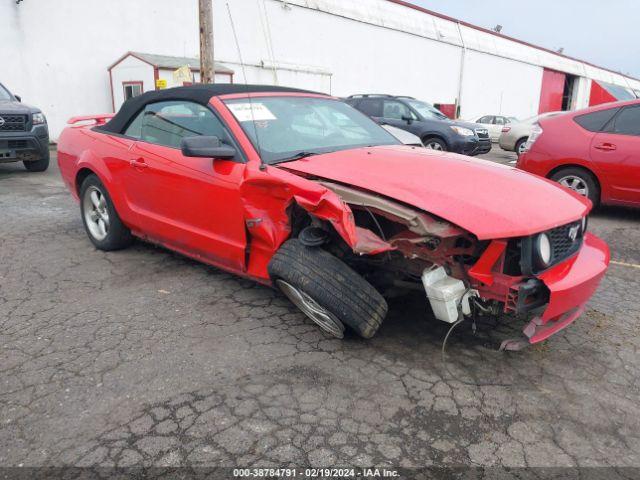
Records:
x=136, y=72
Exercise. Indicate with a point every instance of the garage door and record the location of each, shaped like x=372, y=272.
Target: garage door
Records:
x=552, y=90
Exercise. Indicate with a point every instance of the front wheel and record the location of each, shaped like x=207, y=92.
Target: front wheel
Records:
x=101, y=221
x=435, y=144
x=38, y=165
x=326, y=290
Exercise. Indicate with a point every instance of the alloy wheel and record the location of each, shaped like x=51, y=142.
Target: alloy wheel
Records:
x=323, y=318
x=522, y=147
x=96, y=214
x=434, y=146
x=576, y=184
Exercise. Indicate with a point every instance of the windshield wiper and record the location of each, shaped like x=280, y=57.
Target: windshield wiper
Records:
x=297, y=156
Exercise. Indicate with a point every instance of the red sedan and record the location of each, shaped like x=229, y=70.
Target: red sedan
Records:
x=595, y=152
x=301, y=191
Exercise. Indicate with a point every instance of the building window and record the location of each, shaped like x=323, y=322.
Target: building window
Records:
x=131, y=89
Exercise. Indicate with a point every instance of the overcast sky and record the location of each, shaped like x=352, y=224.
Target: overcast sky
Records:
x=606, y=33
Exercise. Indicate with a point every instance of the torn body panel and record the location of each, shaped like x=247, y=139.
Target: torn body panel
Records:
x=268, y=196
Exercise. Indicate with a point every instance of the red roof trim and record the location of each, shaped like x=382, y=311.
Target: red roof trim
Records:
x=506, y=37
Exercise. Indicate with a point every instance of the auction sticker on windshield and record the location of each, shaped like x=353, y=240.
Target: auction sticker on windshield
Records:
x=251, y=111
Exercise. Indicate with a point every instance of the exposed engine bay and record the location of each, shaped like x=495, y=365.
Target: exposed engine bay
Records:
x=400, y=248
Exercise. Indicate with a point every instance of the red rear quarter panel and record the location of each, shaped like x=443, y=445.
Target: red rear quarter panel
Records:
x=563, y=142
x=79, y=147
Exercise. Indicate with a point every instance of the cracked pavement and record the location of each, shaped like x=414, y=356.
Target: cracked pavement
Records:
x=144, y=357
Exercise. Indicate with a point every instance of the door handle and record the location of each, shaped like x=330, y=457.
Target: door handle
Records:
x=607, y=147
x=138, y=163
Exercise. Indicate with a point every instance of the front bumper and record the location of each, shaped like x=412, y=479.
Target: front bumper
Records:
x=24, y=146
x=484, y=146
x=465, y=145
x=571, y=284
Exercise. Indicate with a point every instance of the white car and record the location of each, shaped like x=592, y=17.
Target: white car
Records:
x=494, y=123
x=514, y=136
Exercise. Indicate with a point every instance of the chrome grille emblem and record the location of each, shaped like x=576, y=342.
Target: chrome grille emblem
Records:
x=573, y=232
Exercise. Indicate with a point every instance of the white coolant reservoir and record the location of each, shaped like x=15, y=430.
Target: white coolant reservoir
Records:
x=445, y=293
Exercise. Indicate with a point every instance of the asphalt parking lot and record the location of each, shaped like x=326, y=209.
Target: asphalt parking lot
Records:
x=144, y=357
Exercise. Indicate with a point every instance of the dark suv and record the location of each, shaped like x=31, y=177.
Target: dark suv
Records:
x=422, y=119
x=24, y=136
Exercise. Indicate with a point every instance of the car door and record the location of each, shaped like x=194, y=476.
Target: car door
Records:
x=398, y=114
x=616, y=153
x=189, y=204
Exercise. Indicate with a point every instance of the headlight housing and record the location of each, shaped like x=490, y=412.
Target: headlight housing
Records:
x=39, y=118
x=465, y=132
x=543, y=250
x=585, y=224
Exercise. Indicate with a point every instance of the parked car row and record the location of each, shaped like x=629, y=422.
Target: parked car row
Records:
x=432, y=127
x=592, y=152
x=495, y=124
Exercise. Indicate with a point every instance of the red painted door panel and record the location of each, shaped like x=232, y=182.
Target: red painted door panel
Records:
x=552, y=90
x=618, y=160
x=190, y=204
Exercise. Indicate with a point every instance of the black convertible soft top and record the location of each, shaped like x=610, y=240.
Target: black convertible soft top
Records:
x=200, y=93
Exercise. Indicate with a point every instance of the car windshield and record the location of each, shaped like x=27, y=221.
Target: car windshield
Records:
x=286, y=128
x=426, y=110
x=4, y=94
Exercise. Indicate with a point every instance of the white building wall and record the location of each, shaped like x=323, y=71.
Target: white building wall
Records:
x=498, y=86
x=55, y=53
x=581, y=93
x=336, y=54
x=131, y=69
x=59, y=51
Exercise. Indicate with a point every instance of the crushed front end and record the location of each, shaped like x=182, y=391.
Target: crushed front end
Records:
x=556, y=291
x=548, y=276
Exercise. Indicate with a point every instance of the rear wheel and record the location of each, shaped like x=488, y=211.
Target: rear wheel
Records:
x=101, y=221
x=434, y=143
x=326, y=290
x=580, y=181
x=39, y=165
x=520, y=146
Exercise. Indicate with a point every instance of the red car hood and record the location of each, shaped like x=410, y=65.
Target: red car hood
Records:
x=486, y=199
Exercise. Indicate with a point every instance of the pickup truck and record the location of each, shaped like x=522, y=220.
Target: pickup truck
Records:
x=24, y=135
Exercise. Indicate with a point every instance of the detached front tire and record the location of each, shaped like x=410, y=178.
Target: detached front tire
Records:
x=327, y=290
x=101, y=221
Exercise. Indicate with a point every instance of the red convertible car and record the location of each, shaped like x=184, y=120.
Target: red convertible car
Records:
x=300, y=191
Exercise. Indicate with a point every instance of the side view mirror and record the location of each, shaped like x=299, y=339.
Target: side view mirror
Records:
x=407, y=119
x=18, y=97
x=206, y=146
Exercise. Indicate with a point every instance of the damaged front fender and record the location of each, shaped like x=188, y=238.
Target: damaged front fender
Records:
x=267, y=196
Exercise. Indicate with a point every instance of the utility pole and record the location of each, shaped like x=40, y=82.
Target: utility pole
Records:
x=207, y=69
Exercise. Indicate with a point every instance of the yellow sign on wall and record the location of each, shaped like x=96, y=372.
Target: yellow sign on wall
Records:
x=161, y=83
